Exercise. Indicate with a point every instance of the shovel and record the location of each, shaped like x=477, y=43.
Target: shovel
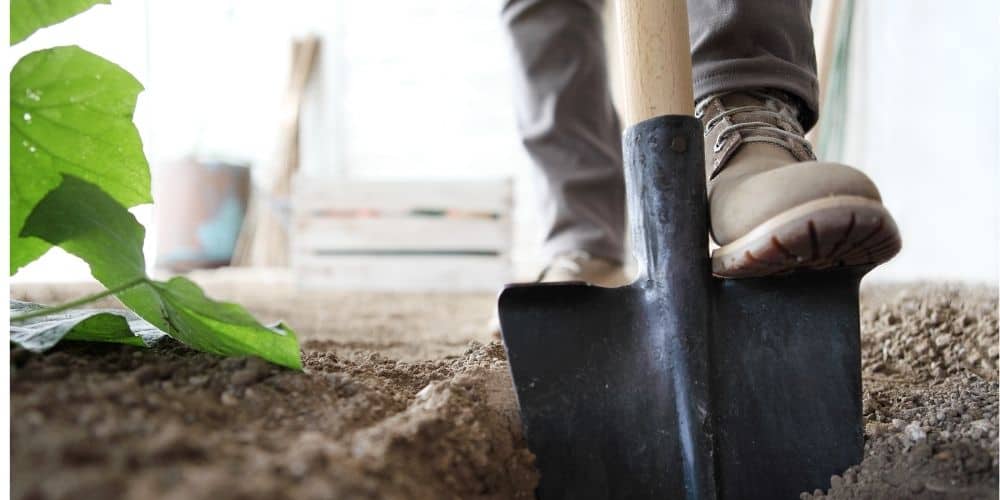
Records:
x=682, y=385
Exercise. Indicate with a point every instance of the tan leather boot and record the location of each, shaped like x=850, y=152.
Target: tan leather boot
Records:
x=581, y=266
x=774, y=208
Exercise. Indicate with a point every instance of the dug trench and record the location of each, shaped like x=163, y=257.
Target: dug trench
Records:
x=405, y=397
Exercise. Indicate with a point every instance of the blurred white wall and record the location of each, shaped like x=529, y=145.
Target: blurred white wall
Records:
x=418, y=90
x=924, y=101
x=422, y=90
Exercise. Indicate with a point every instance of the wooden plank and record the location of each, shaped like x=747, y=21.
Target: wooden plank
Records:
x=402, y=233
x=319, y=194
x=401, y=273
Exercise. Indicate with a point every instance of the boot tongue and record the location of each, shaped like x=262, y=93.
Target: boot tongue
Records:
x=765, y=111
x=751, y=156
x=739, y=99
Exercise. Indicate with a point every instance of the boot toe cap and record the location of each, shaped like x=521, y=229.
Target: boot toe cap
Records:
x=741, y=203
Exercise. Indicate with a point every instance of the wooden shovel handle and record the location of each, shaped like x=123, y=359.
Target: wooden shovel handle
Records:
x=656, y=52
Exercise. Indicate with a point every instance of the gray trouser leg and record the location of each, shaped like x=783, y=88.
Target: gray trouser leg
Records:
x=568, y=124
x=740, y=44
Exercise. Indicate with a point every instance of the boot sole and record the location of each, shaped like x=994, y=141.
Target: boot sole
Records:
x=829, y=233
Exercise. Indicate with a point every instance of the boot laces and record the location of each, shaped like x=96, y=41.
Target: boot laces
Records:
x=785, y=131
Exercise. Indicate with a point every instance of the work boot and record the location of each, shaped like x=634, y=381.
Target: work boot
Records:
x=578, y=265
x=575, y=265
x=773, y=207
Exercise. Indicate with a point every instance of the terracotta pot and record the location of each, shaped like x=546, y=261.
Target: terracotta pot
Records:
x=200, y=206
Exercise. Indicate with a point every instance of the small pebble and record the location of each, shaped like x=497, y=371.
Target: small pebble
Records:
x=914, y=432
x=875, y=429
x=981, y=424
x=850, y=476
x=228, y=399
x=146, y=374
x=243, y=377
x=836, y=482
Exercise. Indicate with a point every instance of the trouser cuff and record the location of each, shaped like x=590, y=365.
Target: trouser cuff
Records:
x=756, y=73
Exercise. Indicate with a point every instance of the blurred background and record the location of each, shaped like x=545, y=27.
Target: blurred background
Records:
x=368, y=144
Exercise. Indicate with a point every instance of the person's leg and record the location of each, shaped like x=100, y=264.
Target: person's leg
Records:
x=773, y=207
x=745, y=44
x=568, y=124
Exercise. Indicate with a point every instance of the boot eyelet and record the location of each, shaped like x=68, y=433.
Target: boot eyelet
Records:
x=698, y=113
x=718, y=145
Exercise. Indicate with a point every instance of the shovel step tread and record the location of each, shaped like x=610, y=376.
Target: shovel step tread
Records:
x=832, y=232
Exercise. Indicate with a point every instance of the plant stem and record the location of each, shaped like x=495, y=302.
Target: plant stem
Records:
x=79, y=302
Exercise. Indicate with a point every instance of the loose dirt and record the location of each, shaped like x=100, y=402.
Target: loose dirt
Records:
x=404, y=397
x=929, y=357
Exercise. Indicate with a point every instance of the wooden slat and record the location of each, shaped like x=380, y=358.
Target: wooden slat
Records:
x=401, y=273
x=312, y=194
x=402, y=233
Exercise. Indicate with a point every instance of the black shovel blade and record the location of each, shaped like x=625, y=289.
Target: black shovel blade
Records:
x=596, y=394
x=785, y=385
x=607, y=412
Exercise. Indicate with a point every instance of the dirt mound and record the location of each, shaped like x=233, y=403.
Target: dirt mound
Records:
x=104, y=421
x=921, y=442
x=929, y=357
x=929, y=332
x=97, y=421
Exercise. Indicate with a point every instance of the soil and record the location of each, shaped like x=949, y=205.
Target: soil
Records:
x=929, y=357
x=404, y=397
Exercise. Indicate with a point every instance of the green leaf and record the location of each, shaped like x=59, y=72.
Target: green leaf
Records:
x=70, y=113
x=236, y=333
x=29, y=16
x=86, y=222
x=92, y=325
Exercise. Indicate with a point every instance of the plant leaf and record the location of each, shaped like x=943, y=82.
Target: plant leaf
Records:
x=92, y=325
x=86, y=222
x=236, y=332
x=70, y=113
x=29, y=16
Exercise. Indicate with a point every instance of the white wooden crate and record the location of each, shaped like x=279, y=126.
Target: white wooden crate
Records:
x=401, y=235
